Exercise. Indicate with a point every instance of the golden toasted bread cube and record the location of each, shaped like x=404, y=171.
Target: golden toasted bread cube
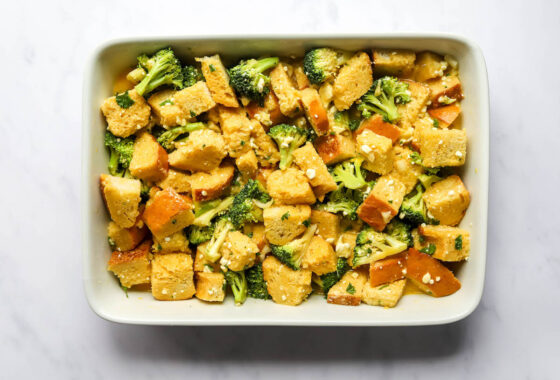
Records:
x=290, y=186
x=345, y=244
x=217, y=80
x=203, y=151
x=177, y=180
x=443, y=147
x=257, y=233
x=353, y=80
x=393, y=62
x=302, y=81
x=122, y=198
x=269, y=113
x=315, y=169
x=348, y=291
x=284, y=223
x=404, y=169
x=421, y=124
x=125, y=239
x=428, y=274
x=283, y=87
x=387, y=270
x=334, y=149
x=123, y=122
x=386, y=295
x=447, y=200
x=265, y=148
x=132, y=267
x=409, y=112
x=328, y=225
x=248, y=164
x=238, y=251
x=168, y=212
x=382, y=203
x=286, y=286
x=149, y=159
x=176, y=242
x=377, y=151
x=207, y=186
x=172, y=276
x=445, y=90
x=315, y=111
x=210, y=286
x=428, y=66
x=236, y=129
x=195, y=99
x=319, y=257
x=201, y=263
x=167, y=112
x=452, y=243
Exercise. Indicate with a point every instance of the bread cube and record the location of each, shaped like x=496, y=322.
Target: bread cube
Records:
x=382, y=203
x=123, y=122
x=393, y=62
x=257, y=233
x=447, y=200
x=149, y=159
x=217, y=80
x=328, y=225
x=386, y=295
x=247, y=164
x=348, y=291
x=315, y=112
x=176, y=242
x=168, y=212
x=210, y=287
x=377, y=151
x=428, y=66
x=421, y=124
x=122, y=198
x=445, y=90
x=445, y=115
x=125, y=239
x=284, y=223
x=203, y=151
x=172, y=276
x=236, y=130
x=443, y=147
x=281, y=83
x=263, y=174
x=452, y=243
x=404, y=169
x=201, y=263
x=132, y=267
x=409, y=112
x=345, y=244
x=290, y=187
x=353, y=80
x=428, y=274
x=265, y=148
x=195, y=99
x=286, y=286
x=335, y=149
x=167, y=112
x=269, y=113
x=207, y=186
x=379, y=127
x=387, y=270
x=176, y=180
x=319, y=257
x=315, y=169
x=302, y=81
x=238, y=251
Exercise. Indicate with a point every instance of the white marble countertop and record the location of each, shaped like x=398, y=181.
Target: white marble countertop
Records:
x=48, y=331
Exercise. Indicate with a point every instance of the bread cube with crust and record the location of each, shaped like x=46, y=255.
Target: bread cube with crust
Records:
x=283, y=87
x=149, y=159
x=387, y=270
x=290, y=187
x=122, y=198
x=167, y=112
x=207, y=186
x=176, y=242
x=380, y=127
x=123, y=122
x=443, y=147
x=447, y=200
x=428, y=66
x=217, y=80
x=285, y=285
x=238, y=251
x=409, y=112
x=335, y=149
x=125, y=239
x=315, y=112
x=345, y=244
x=353, y=80
x=428, y=274
x=247, y=164
x=386, y=295
x=257, y=233
x=132, y=267
x=393, y=62
x=210, y=286
x=328, y=225
x=319, y=257
x=203, y=151
x=284, y=223
x=404, y=169
x=315, y=169
x=269, y=113
x=348, y=291
x=377, y=151
x=201, y=263
x=445, y=90
x=452, y=243
x=382, y=203
x=168, y=212
x=176, y=180
x=302, y=81
x=445, y=115
x=265, y=148
x=236, y=129
x=172, y=276
x=195, y=99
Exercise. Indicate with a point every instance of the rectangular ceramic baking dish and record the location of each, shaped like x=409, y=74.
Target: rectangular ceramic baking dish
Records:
x=102, y=289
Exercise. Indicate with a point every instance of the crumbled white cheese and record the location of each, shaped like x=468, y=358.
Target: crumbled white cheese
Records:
x=438, y=279
x=355, y=274
x=330, y=240
x=386, y=215
x=204, y=193
x=404, y=271
x=366, y=149
x=426, y=278
x=459, y=154
x=283, y=297
x=310, y=173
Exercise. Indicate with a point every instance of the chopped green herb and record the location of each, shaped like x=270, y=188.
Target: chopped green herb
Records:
x=430, y=249
x=390, y=201
x=125, y=290
x=166, y=101
x=173, y=221
x=124, y=100
x=415, y=158
x=421, y=239
x=459, y=242
x=286, y=216
x=212, y=68
x=306, y=222
x=436, y=123
x=111, y=242
x=242, y=142
x=250, y=234
x=332, y=133
x=350, y=289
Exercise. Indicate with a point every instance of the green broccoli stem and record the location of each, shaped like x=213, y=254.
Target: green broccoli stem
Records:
x=152, y=80
x=266, y=63
x=212, y=252
x=113, y=165
x=285, y=158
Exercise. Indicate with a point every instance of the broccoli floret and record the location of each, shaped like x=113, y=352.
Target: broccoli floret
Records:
x=400, y=231
x=289, y=138
x=121, y=150
x=248, y=80
x=199, y=235
x=206, y=211
x=163, y=68
x=428, y=180
x=343, y=120
x=321, y=64
x=413, y=209
x=292, y=253
x=349, y=173
x=372, y=246
x=327, y=280
x=382, y=98
x=238, y=284
x=191, y=75
x=342, y=200
x=167, y=138
x=431, y=175
x=256, y=286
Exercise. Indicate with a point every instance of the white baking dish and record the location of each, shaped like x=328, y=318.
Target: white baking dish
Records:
x=105, y=295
